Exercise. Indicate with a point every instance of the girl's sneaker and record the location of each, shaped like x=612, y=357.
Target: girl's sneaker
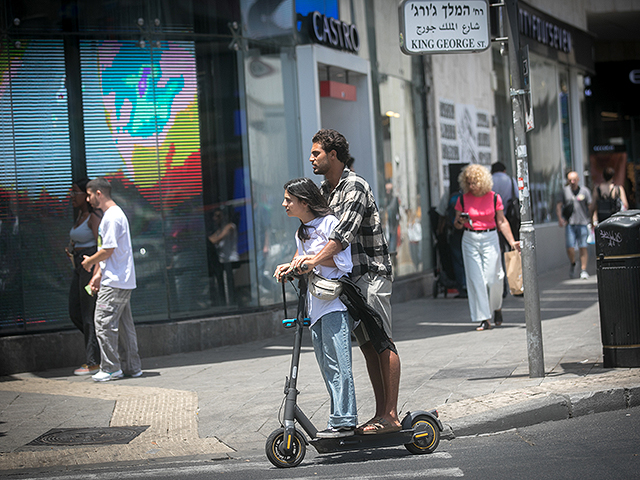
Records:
x=86, y=369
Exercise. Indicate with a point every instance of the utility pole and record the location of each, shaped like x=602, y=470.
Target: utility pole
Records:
x=519, y=92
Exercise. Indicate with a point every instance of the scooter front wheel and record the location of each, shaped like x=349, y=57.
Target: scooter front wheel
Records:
x=426, y=437
x=280, y=459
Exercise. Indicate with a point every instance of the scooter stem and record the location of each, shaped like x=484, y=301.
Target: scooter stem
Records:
x=291, y=390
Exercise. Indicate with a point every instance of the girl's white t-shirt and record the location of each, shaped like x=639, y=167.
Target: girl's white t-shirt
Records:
x=319, y=232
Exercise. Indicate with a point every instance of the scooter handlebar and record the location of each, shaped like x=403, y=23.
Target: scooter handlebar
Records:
x=290, y=276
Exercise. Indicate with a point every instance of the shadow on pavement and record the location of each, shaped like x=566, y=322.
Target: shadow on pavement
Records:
x=413, y=320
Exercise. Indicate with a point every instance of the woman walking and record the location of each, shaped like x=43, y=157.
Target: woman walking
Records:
x=480, y=211
x=608, y=198
x=330, y=321
x=83, y=241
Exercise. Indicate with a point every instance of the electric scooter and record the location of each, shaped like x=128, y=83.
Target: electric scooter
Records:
x=287, y=445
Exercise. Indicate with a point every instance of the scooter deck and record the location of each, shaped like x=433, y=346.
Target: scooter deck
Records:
x=362, y=442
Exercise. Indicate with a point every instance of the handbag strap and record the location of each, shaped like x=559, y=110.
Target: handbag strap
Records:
x=495, y=204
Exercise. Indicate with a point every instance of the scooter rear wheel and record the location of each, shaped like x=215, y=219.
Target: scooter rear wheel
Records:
x=426, y=437
x=279, y=459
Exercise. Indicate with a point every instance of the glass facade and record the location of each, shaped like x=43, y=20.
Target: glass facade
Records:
x=400, y=202
x=35, y=180
x=148, y=95
x=198, y=113
x=189, y=109
x=550, y=140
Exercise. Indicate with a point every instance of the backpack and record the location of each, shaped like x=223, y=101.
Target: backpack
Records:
x=609, y=205
x=451, y=208
x=512, y=213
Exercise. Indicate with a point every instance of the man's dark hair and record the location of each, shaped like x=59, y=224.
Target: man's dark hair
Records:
x=333, y=140
x=608, y=174
x=102, y=184
x=498, y=167
x=349, y=163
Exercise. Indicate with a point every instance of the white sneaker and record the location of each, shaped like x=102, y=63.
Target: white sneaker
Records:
x=102, y=376
x=137, y=374
x=584, y=275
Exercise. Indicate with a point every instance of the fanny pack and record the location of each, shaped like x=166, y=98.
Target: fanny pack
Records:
x=323, y=288
x=320, y=287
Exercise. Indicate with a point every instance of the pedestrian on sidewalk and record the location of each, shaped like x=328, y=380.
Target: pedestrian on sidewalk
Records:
x=479, y=212
x=331, y=323
x=573, y=207
x=353, y=203
x=83, y=240
x=449, y=239
x=608, y=198
x=113, y=280
x=506, y=186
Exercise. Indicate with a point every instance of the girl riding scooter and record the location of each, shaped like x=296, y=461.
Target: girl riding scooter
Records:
x=330, y=322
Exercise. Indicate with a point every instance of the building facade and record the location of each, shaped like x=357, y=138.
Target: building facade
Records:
x=199, y=111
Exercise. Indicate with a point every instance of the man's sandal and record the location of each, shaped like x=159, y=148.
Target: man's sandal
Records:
x=360, y=428
x=380, y=426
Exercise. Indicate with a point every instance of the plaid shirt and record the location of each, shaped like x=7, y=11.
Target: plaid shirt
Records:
x=353, y=203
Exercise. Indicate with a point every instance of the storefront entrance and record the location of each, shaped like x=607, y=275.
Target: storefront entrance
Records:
x=340, y=109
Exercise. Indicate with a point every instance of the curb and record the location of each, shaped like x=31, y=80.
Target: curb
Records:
x=551, y=407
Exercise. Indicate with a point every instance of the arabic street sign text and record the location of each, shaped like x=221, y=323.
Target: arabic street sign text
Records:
x=444, y=26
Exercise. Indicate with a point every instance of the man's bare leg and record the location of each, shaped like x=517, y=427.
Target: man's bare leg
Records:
x=384, y=373
x=584, y=258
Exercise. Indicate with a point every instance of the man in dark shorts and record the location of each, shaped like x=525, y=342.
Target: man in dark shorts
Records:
x=353, y=203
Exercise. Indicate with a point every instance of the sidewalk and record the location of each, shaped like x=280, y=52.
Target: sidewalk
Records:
x=223, y=403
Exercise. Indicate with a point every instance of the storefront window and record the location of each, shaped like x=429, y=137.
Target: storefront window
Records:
x=35, y=181
x=142, y=131
x=563, y=95
x=161, y=118
x=273, y=147
x=400, y=202
x=546, y=140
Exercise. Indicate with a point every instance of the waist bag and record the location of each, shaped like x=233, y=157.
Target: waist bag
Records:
x=323, y=288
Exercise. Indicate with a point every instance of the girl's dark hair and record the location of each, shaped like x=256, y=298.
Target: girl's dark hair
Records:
x=82, y=184
x=308, y=192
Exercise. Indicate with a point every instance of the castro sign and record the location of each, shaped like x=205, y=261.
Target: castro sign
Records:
x=333, y=33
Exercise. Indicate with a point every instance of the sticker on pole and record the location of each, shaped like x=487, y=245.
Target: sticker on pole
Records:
x=444, y=26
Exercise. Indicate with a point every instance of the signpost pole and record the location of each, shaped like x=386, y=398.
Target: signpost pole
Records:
x=527, y=232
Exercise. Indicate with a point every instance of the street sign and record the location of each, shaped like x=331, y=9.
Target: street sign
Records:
x=444, y=26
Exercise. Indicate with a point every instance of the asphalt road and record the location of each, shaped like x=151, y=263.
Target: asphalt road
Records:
x=604, y=445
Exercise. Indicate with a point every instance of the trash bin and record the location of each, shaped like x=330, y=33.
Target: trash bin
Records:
x=618, y=261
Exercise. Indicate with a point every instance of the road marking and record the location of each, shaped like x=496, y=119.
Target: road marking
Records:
x=573, y=298
x=572, y=291
x=232, y=467
x=429, y=472
x=545, y=309
x=282, y=347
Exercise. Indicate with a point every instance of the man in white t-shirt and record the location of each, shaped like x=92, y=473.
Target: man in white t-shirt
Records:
x=113, y=280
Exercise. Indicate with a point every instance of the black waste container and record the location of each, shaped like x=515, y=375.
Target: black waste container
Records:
x=618, y=260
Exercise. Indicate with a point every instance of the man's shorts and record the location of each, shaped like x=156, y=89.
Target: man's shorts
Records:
x=377, y=291
x=576, y=233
